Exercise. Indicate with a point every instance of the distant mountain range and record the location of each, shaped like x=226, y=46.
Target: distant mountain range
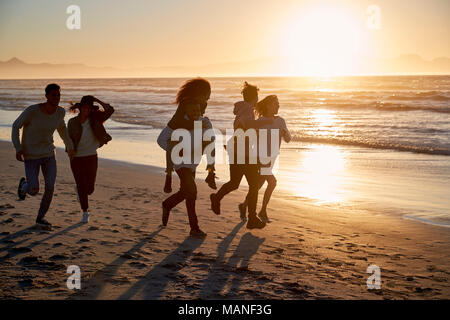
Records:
x=408, y=64
x=405, y=64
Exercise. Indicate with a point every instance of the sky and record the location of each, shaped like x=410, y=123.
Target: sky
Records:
x=138, y=33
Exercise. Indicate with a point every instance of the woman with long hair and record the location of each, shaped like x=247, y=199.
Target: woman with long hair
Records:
x=197, y=89
x=87, y=133
x=268, y=109
x=185, y=171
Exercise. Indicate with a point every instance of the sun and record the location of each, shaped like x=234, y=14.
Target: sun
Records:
x=323, y=41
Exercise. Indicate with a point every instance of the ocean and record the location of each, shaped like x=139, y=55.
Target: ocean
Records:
x=366, y=142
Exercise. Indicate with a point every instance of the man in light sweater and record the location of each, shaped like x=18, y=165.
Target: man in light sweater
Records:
x=36, y=148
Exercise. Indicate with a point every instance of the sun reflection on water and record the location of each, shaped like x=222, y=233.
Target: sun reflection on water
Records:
x=324, y=122
x=320, y=172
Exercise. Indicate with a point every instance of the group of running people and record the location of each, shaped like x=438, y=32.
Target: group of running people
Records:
x=85, y=133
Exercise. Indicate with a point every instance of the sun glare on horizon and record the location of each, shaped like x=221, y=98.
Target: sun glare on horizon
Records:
x=324, y=41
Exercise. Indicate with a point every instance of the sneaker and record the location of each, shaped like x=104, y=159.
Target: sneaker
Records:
x=263, y=216
x=197, y=234
x=20, y=192
x=255, y=223
x=211, y=180
x=43, y=223
x=168, y=184
x=165, y=215
x=85, y=218
x=243, y=211
x=215, y=204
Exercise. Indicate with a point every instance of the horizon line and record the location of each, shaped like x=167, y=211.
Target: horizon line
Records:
x=240, y=76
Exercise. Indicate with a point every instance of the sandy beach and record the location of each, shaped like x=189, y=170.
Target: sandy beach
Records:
x=306, y=252
x=346, y=108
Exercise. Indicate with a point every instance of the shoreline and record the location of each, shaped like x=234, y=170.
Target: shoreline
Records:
x=285, y=193
x=316, y=173
x=307, y=252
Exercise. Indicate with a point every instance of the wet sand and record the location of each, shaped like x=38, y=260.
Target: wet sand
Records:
x=308, y=251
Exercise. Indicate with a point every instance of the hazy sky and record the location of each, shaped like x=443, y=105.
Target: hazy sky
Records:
x=135, y=33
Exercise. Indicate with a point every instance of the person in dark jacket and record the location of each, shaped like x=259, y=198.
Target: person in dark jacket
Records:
x=87, y=133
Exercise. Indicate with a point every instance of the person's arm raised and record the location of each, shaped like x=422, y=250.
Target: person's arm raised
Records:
x=109, y=110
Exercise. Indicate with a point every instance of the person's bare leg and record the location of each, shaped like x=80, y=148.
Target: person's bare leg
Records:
x=271, y=184
x=236, y=174
x=168, y=182
x=169, y=169
x=243, y=206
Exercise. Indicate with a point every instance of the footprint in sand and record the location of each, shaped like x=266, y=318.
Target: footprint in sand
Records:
x=6, y=206
x=138, y=265
x=173, y=266
x=397, y=256
x=33, y=262
x=19, y=250
x=423, y=290
x=58, y=257
x=25, y=284
x=106, y=243
x=9, y=220
x=298, y=289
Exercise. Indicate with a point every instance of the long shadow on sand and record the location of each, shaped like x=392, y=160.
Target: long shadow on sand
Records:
x=236, y=268
x=18, y=234
x=94, y=286
x=13, y=248
x=222, y=249
x=154, y=283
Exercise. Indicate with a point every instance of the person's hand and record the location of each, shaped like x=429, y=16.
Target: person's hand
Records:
x=205, y=123
x=103, y=104
x=19, y=156
x=71, y=154
x=99, y=101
